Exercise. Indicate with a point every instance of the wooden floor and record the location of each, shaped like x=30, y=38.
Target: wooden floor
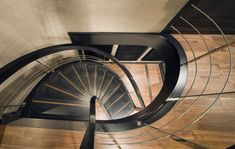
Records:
x=148, y=79
x=215, y=130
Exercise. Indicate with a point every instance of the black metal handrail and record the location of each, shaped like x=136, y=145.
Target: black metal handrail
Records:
x=14, y=66
x=182, y=98
x=171, y=59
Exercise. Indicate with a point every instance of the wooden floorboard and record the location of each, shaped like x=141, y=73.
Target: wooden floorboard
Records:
x=215, y=130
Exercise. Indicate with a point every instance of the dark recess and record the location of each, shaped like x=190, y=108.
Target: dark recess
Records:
x=221, y=11
x=104, y=48
x=129, y=53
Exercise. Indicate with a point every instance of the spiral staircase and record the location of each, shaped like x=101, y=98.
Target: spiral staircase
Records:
x=87, y=87
x=76, y=83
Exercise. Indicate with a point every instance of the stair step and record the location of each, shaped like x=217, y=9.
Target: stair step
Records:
x=68, y=89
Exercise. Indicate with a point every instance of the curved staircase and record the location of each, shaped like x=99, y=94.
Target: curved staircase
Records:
x=67, y=91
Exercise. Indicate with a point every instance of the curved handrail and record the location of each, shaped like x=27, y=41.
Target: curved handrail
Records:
x=14, y=66
x=209, y=107
x=148, y=114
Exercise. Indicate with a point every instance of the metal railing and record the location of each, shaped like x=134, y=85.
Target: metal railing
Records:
x=183, y=114
x=178, y=118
